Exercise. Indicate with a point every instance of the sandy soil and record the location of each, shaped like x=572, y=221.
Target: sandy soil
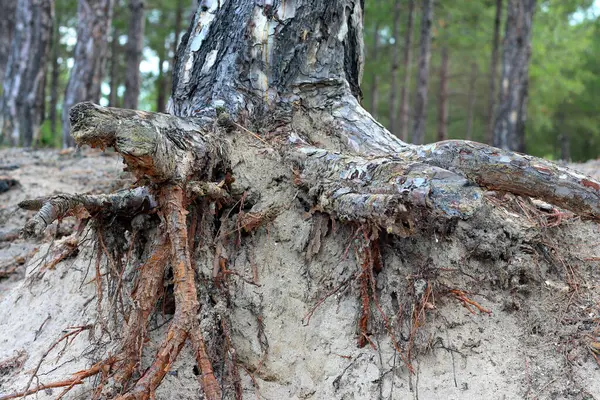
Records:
x=541, y=284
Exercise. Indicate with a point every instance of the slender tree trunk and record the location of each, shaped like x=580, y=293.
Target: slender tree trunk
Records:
x=161, y=82
x=22, y=99
x=375, y=78
x=405, y=94
x=395, y=66
x=564, y=138
x=418, y=136
x=509, y=129
x=178, y=24
x=133, y=53
x=494, y=73
x=93, y=22
x=7, y=27
x=55, y=77
x=113, y=97
x=443, y=97
x=471, y=101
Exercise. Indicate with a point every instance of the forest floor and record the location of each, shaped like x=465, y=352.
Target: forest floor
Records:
x=540, y=280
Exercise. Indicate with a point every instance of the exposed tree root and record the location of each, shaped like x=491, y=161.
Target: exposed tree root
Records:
x=178, y=160
x=130, y=202
x=76, y=379
x=467, y=302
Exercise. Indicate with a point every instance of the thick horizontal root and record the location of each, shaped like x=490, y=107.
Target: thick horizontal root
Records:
x=161, y=147
x=384, y=190
x=512, y=172
x=124, y=202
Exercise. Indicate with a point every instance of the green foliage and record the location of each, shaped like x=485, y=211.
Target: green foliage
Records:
x=564, y=90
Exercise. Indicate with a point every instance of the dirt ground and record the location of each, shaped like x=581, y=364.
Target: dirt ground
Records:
x=539, y=278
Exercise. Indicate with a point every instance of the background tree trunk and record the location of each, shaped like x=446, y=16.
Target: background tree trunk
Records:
x=494, y=73
x=394, y=72
x=93, y=23
x=443, y=97
x=374, y=103
x=22, y=99
x=404, y=95
x=161, y=83
x=113, y=97
x=133, y=54
x=471, y=101
x=7, y=27
x=420, y=113
x=176, y=39
x=55, y=77
x=509, y=129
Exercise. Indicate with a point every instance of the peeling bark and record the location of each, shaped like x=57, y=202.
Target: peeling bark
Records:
x=93, y=21
x=21, y=108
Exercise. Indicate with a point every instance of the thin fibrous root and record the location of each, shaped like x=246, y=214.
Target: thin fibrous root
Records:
x=467, y=302
x=124, y=202
x=145, y=296
x=184, y=324
x=76, y=379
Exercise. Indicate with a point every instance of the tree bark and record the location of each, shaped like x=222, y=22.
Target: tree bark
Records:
x=509, y=129
x=22, y=99
x=405, y=94
x=493, y=74
x=7, y=27
x=443, y=97
x=374, y=103
x=93, y=22
x=133, y=53
x=394, y=71
x=418, y=136
x=471, y=101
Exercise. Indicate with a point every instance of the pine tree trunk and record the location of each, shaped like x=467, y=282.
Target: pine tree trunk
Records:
x=443, y=97
x=55, y=77
x=394, y=71
x=471, y=101
x=161, y=83
x=22, y=99
x=93, y=23
x=418, y=136
x=405, y=94
x=7, y=27
x=493, y=74
x=176, y=39
x=374, y=103
x=509, y=128
x=133, y=53
x=113, y=97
